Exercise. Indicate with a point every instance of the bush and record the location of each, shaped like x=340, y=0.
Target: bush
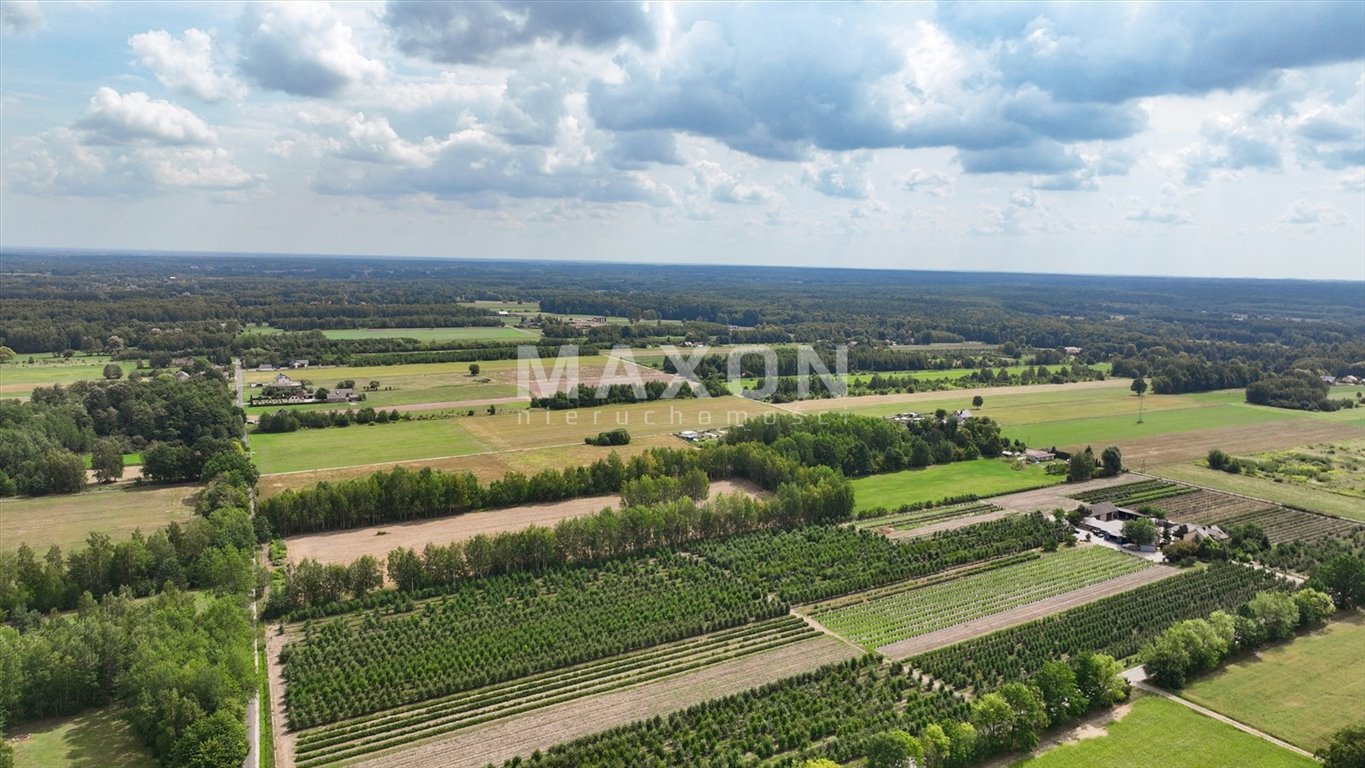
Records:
x=614, y=437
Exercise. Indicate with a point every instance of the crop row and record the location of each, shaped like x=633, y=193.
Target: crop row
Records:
x=1159, y=494
x=867, y=596
x=905, y=521
x=838, y=708
x=1283, y=524
x=938, y=606
x=505, y=627
x=815, y=563
x=386, y=730
x=1115, y=492
x=1117, y=625
x=1208, y=507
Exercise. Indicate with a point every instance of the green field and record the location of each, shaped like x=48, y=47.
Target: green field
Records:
x=129, y=460
x=1301, y=691
x=19, y=379
x=916, y=612
x=118, y=510
x=1157, y=732
x=1087, y=414
x=408, y=383
x=472, y=333
x=983, y=477
x=99, y=738
x=355, y=445
x=1076, y=433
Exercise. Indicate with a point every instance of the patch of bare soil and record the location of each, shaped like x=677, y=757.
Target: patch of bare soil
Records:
x=346, y=546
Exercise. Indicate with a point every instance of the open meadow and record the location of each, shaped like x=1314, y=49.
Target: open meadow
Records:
x=116, y=510
x=19, y=379
x=1160, y=732
x=1318, y=682
x=96, y=738
x=359, y=444
x=983, y=477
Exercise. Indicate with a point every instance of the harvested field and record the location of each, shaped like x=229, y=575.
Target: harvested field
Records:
x=117, y=510
x=346, y=546
x=523, y=734
x=1023, y=614
x=1237, y=440
x=330, y=744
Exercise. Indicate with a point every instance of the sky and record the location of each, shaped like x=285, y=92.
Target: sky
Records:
x=1181, y=138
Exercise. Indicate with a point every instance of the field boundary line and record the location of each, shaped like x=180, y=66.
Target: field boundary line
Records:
x=1209, y=713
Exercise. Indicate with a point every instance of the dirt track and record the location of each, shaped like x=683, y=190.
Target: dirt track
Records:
x=1025, y=613
x=521, y=735
x=346, y=546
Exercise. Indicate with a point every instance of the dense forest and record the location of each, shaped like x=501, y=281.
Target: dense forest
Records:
x=1184, y=333
x=177, y=425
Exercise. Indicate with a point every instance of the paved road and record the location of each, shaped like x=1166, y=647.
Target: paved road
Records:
x=253, y=706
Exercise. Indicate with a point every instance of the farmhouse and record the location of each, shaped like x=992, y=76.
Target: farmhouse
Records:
x=909, y=417
x=283, y=381
x=1106, y=519
x=298, y=363
x=1348, y=379
x=1036, y=456
x=182, y=376
x=342, y=396
x=265, y=367
x=962, y=415
x=1072, y=350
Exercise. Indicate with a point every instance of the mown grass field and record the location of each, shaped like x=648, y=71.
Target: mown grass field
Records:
x=936, y=375
x=20, y=379
x=100, y=738
x=1301, y=691
x=349, y=446
x=1157, y=732
x=1100, y=414
x=983, y=477
x=118, y=510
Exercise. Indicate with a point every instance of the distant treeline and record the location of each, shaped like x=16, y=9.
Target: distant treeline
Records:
x=586, y=395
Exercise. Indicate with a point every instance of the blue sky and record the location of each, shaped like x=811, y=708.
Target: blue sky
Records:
x=1147, y=138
